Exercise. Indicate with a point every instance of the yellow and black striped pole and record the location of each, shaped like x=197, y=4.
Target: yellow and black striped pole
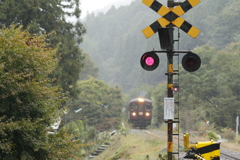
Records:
x=170, y=92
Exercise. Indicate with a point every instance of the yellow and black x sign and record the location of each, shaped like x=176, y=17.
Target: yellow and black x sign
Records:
x=171, y=15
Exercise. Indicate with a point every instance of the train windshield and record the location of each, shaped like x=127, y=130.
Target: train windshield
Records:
x=133, y=106
x=148, y=107
x=140, y=107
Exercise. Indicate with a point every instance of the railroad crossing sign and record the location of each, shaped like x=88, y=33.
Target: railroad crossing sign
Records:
x=171, y=16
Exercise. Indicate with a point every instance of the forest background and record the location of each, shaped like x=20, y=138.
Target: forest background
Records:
x=115, y=42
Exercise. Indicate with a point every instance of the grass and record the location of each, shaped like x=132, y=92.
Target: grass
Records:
x=138, y=146
x=133, y=147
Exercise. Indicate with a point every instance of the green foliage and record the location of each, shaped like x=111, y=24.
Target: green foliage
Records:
x=46, y=16
x=164, y=156
x=228, y=133
x=212, y=136
x=61, y=146
x=115, y=41
x=89, y=69
x=101, y=104
x=29, y=103
x=157, y=97
x=212, y=93
x=87, y=137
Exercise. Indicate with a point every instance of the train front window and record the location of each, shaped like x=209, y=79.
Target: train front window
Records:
x=140, y=107
x=133, y=106
x=148, y=107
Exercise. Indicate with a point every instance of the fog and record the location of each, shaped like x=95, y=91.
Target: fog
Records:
x=89, y=6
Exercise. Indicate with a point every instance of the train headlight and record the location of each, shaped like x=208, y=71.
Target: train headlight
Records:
x=140, y=100
x=147, y=114
x=134, y=113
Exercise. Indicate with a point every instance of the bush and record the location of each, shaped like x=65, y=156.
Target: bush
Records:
x=228, y=133
x=212, y=135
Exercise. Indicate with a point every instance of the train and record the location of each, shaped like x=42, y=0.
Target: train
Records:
x=140, y=112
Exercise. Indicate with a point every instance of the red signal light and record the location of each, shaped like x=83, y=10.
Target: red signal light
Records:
x=149, y=61
x=175, y=89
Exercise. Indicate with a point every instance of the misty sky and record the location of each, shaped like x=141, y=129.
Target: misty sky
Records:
x=100, y=5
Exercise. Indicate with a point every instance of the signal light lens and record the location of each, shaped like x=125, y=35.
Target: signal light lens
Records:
x=134, y=114
x=191, y=62
x=147, y=114
x=149, y=61
x=175, y=89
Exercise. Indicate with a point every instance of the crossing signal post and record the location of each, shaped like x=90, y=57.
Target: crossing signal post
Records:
x=164, y=26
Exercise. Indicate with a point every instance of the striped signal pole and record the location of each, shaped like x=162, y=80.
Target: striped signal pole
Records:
x=164, y=27
x=170, y=92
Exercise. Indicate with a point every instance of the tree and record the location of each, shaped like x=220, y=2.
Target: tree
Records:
x=157, y=96
x=47, y=16
x=89, y=69
x=212, y=92
x=87, y=136
x=29, y=103
x=101, y=104
x=197, y=89
x=228, y=98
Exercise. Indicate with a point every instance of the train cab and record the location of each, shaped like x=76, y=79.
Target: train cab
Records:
x=140, y=112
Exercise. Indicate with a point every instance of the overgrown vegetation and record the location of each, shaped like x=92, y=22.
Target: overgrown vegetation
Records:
x=228, y=134
x=212, y=136
x=101, y=105
x=29, y=103
x=48, y=16
x=132, y=146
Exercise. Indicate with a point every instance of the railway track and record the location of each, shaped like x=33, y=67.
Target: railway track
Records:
x=225, y=154
x=229, y=155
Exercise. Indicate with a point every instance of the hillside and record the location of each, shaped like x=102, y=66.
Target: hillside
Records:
x=115, y=42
